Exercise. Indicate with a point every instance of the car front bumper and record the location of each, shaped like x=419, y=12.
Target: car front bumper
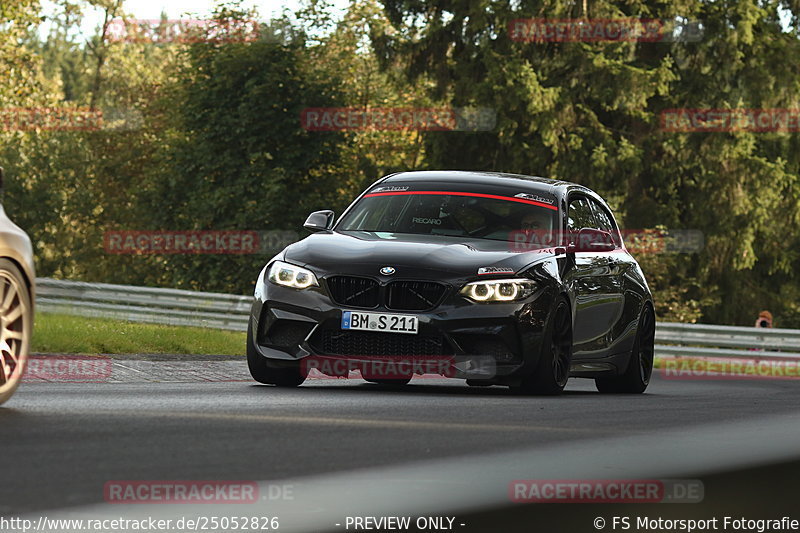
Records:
x=492, y=342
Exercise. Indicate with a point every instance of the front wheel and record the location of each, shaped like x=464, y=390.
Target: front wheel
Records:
x=16, y=327
x=640, y=365
x=290, y=376
x=552, y=372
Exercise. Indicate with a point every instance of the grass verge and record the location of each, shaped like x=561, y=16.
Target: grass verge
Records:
x=56, y=333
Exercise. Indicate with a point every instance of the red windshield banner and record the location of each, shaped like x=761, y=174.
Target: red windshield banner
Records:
x=471, y=194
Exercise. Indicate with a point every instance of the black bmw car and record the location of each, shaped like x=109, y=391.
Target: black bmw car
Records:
x=498, y=279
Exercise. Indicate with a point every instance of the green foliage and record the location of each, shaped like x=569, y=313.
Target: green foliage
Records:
x=238, y=156
x=210, y=139
x=18, y=86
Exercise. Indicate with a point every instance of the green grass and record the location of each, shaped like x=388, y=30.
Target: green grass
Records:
x=55, y=333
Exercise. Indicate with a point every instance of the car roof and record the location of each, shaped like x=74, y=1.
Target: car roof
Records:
x=558, y=188
x=482, y=178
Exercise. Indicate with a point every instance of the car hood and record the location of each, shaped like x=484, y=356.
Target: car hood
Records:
x=431, y=257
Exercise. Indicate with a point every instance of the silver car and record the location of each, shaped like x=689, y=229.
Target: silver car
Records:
x=17, y=278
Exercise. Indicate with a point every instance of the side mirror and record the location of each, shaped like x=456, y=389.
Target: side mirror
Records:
x=592, y=240
x=319, y=220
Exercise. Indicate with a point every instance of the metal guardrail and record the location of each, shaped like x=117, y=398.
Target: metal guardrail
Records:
x=143, y=304
x=231, y=312
x=703, y=340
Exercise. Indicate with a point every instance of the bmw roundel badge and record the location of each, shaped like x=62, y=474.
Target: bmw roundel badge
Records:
x=387, y=271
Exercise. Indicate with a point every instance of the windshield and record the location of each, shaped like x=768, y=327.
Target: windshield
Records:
x=460, y=214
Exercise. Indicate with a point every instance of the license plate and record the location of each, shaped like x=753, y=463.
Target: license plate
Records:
x=379, y=322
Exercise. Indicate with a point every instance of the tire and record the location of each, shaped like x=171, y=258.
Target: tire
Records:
x=640, y=364
x=398, y=382
x=290, y=376
x=552, y=371
x=16, y=327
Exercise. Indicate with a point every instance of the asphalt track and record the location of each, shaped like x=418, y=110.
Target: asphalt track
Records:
x=434, y=446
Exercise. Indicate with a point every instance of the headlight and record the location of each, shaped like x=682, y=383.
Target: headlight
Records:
x=292, y=276
x=499, y=290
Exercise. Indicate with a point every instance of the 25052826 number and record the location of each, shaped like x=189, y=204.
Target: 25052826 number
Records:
x=237, y=523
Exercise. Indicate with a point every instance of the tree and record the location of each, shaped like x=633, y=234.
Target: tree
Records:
x=238, y=156
x=18, y=64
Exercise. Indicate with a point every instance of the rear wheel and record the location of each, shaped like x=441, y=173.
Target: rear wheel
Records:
x=640, y=365
x=16, y=326
x=290, y=376
x=552, y=372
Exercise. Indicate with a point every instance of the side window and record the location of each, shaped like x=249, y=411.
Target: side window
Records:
x=579, y=215
x=605, y=222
